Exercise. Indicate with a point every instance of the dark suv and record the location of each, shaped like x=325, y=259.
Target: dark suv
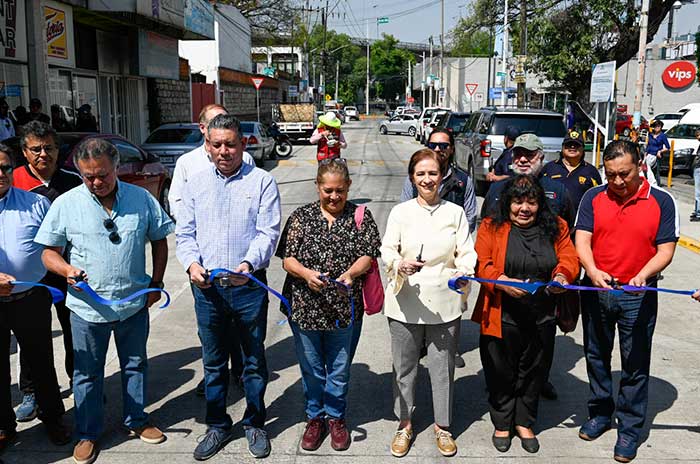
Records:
x=481, y=142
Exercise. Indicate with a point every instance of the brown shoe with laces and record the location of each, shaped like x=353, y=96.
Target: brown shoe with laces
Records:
x=401, y=442
x=340, y=436
x=446, y=445
x=149, y=434
x=85, y=452
x=314, y=434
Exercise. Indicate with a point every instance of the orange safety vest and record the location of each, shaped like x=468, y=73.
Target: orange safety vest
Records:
x=324, y=151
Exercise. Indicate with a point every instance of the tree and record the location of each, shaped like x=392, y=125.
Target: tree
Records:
x=470, y=43
x=565, y=38
x=389, y=67
x=267, y=17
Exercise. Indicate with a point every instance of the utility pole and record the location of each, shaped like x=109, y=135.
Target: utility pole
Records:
x=488, y=75
x=324, y=23
x=367, y=87
x=520, y=66
x=503, y=54
x=430, y=70
x=337, y=68
x=641, y=60
x=442, y=49
x=423, y=82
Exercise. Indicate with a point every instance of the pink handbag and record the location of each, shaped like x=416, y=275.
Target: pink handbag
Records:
x=373, y=290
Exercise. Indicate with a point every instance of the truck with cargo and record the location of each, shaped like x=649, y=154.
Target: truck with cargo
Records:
x=296, y=120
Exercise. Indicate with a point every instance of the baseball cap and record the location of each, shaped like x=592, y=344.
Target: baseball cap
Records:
x=657, y=122
x=512, y=132
x=574, y=137
x=529, y=142
x=34, y=101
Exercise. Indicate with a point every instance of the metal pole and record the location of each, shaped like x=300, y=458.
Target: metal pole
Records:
x=607, y=123
x=430, y=70
x=504, y=50
x=367, y=87
x=442, y=49
x=488, y=74
x=641, y=60
x=337, y=67
x=257, y=99
x=595, y=133
x=423, y=82
x=523, y=51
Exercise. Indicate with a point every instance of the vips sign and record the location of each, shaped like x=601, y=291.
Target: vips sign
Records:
x=56, y=40
x=679, y=74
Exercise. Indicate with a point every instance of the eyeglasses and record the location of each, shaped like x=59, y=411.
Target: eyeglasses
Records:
x=39, y=148
x=341, y=161
x=112, y=228
x=6, y=168
x=442, y=145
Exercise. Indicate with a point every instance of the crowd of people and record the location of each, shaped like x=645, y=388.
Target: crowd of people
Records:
x=540, y=223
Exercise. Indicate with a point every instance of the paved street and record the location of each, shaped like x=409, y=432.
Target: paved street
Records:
x=378, y=166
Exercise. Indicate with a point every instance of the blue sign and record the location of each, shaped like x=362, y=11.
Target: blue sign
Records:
x=11, y=91
x=199, y=18
x=495, y=92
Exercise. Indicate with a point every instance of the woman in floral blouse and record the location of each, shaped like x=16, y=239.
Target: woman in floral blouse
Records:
x=322, y=241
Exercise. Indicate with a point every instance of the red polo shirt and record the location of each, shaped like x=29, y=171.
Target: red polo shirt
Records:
x=626, y=234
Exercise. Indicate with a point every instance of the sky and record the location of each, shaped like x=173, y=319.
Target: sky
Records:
x=413, y=21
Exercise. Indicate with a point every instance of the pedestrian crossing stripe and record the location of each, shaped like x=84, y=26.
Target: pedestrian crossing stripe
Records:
x=690, y=244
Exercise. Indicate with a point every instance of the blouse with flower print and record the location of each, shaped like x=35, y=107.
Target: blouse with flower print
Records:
x=333, y=250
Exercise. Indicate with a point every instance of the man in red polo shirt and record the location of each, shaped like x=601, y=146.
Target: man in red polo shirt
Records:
x=626, y=233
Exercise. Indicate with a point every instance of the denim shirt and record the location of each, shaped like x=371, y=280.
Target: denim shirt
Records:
x=114, y=270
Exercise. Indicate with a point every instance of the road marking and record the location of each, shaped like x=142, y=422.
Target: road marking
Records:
x=690, y=244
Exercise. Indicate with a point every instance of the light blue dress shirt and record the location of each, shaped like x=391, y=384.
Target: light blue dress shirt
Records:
x=225, y=221
x=76, y=221
x=21, y=214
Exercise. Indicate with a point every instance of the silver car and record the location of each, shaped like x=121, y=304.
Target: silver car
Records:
x=401, y=124
x=170, y=141
x=257, y=141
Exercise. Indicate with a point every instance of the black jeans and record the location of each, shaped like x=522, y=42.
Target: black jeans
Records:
x=515, y=367
x=26, y=382
x=30, y=320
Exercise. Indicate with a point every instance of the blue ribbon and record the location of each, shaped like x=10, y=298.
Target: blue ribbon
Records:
x=56, y=294
x=215, y=272
x=82, y=285
x=532, y=287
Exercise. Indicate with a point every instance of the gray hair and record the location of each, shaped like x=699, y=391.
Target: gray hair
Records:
x=225, y=121
x=39, y=130
x=94, y=148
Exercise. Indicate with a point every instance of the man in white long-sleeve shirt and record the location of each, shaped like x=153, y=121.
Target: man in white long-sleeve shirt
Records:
x=195, y=160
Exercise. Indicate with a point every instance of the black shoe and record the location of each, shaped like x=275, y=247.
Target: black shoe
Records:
x=423, y=352
x=459, y=361
x=502, y=444
x=531, y=445
x=694, y=218
x=200, y=388
x=548, y=391
x=212, y=442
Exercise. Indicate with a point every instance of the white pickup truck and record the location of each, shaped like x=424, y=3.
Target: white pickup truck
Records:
x=296, y=120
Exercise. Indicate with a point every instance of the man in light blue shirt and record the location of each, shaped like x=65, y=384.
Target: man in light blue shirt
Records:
x=104, y=225
x=25, y=310
x=230, y=218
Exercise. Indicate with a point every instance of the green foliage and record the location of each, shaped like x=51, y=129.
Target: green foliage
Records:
x=389, y=67
x=468, y=43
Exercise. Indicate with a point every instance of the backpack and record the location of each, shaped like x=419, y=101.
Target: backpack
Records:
x=373, y=290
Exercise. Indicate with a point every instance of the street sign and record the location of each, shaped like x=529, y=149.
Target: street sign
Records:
x=410, y=100
x=500, y=74
x=328, y=97
x=603, y=82
x=269, y=71
x=471, y=88
x=383, y=20
x=441, y=93
x=257, y=82
x=478, y=97
x=293, y=91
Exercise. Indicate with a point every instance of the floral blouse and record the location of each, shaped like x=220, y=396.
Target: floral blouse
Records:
x=307, y=238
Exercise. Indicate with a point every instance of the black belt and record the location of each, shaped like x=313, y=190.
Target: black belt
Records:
x=225, y=281
x=17, y=296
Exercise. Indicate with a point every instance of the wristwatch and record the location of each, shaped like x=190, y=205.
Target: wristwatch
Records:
x=156, y=284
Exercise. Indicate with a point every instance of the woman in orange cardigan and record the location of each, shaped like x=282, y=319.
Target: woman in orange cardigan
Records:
x=523, y=240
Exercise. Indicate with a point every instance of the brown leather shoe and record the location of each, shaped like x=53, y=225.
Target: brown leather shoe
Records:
x=58, y=433
x=149, y=434
x=6, y=437
x=445, y=443
x=314, y=434
x=85, y=452
x=340, y=436
x=401, y=442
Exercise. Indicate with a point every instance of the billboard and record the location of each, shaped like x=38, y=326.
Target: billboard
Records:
x=59, y=34
x=13, y=30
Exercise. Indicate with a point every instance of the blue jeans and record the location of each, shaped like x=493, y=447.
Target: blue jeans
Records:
x=635, y=318
x=325, y=359
x=216, y=309
x=696, y=177
x=90, y=343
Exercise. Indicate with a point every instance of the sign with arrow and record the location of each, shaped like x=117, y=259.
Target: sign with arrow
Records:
x=257, y=82
x=471, y=88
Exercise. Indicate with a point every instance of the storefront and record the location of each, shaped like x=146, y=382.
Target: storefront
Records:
x=14, y=75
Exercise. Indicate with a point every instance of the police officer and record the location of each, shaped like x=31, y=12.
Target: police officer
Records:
x=572, y=170
x=502, y=168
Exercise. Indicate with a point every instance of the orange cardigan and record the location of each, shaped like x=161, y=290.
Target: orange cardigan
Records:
x=491, y=246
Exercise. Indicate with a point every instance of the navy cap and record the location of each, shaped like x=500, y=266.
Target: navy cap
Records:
x=574, y=137
x=512, y=132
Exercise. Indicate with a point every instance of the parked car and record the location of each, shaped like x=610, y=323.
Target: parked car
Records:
x=257, y=141
x=623, y=124
x=435, y=120
x=684, y=147
x=352, y=113
x=401, y=124
x=424, y=119
x=480, y=144
x=668, y=119
x=454, y=122
x=170, y=141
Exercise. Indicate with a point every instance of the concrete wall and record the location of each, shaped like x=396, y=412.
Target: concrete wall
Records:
x=239, y=100
x=168, y=101
x=657, y=98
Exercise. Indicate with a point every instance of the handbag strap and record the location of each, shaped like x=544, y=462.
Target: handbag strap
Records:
x=359, y=216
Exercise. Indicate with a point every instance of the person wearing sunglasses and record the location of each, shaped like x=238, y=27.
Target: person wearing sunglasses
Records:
x=105, y=225
x=42, y=175
x=26, y=311
x=572, y=170
x=230, y=218
x=7, y=127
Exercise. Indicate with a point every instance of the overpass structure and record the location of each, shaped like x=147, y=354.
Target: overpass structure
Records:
x=417, y=48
